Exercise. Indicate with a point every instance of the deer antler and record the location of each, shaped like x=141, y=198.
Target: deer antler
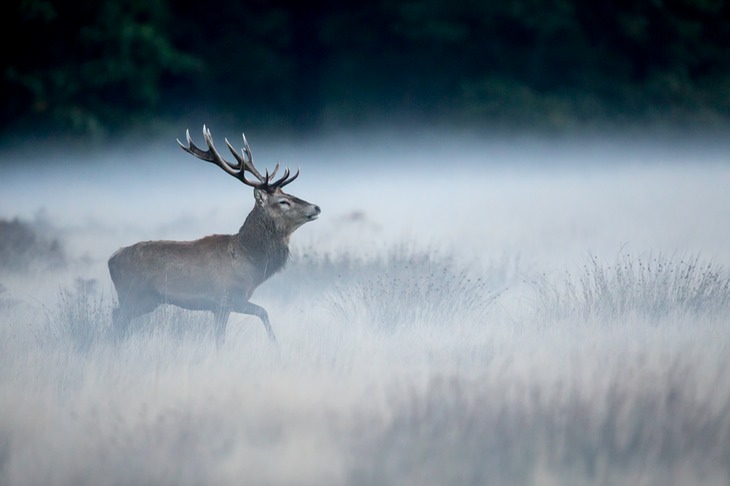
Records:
x=245, y=162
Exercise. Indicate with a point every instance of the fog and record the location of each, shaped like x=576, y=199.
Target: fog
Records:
x=524, y=196
x=435, y=322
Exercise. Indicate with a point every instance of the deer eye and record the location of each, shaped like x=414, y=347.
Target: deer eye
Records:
x=284, y=203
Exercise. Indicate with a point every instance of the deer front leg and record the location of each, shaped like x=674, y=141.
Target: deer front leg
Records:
x=258, y=311
x=120, y=323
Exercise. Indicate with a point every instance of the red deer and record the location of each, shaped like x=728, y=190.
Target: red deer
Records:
x=218, y=273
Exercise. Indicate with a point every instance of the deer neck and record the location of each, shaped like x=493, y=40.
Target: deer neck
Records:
x=266, y=247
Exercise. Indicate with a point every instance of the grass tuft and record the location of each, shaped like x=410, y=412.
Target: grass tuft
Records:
x=651, y=287
x=410, y=287
x=82, y=316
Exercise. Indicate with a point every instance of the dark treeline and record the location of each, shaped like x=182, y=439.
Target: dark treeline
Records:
x=98, y=66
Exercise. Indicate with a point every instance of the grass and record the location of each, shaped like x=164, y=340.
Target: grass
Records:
x=399, y=368
x=81, y=317
x=651, y=287
x=414, y=287
x=649, y=428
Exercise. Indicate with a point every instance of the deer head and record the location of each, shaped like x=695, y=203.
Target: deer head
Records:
x=287, y=212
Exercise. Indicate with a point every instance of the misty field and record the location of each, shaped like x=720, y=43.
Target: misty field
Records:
x=465, y=311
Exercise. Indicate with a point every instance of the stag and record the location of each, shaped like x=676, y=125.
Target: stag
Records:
x=217, y=273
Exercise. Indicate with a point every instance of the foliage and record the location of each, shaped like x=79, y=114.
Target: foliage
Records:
x=89, y=66
x=92, y=66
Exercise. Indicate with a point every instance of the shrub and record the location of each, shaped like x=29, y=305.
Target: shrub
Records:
x=24, y=247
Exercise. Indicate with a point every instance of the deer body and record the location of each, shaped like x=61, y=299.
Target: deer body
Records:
x=217, y=273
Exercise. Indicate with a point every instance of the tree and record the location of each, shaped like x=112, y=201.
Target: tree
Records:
x=88, y=66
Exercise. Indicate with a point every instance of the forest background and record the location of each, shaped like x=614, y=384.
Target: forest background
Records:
x=90, y=69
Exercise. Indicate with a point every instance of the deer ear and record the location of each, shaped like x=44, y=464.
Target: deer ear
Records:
x=260, y=196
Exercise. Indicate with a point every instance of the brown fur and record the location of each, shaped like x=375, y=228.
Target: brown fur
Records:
x=218, y=273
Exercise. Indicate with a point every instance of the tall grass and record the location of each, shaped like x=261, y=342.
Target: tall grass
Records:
x=383, y=402
x=81, y=320
x=81, y=316
x=651, y=287
x=410, y=287
x=644, y=427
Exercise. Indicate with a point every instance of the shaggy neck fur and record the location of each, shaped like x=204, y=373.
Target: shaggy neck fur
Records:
x=265, y=246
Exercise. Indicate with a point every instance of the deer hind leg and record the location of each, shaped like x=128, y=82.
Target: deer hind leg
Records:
x=221, y=321
x=258, y=311
x=131, y=307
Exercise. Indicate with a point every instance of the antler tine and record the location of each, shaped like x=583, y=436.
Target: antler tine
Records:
x=193, y=149
x=210, y=155
x=245, y=159
x=235, y=154
x=247, y=151
x=286, y=179
x=211, y=147
x=245, y=162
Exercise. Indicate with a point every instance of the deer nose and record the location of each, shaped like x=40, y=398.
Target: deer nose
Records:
x=316, y=208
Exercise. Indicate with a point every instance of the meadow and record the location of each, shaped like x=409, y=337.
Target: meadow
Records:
x=467, y=310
